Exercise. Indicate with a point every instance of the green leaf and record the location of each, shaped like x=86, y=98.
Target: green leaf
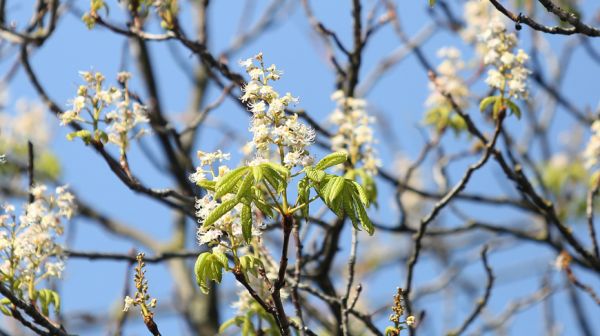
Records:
x=100, y=135
x=337, y=185
x=48, y=297
x=485, y=102
x=364, y=219
x=332, y=160
x=85, y=135
x=350, y=210
x=315, y=174
x=248, y=327
x=247, y=222
x=432, y=3
x=265, y=208
x=222, y=257
x=208, y=267
x=514, y=108
x=219, y=212
x=206, y=184
x=199, y=271
x=390, y=331
x=274, y=178
x=229, y=181
x=237, y=321
x=368, y=185
x=364, y=198
x=250, y=264
x=4, y=302
x=257, y=172
x=303, y=195
x=245, y=187
x=284, y=172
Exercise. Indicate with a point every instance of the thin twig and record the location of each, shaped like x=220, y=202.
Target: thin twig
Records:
x=482, y=302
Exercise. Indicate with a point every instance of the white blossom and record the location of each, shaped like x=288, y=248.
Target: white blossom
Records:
x=477, y=14
x=111, y=106
x=128, y=303
x=29, y=242
x=354, y=133
x=449, y=81
x=508, y=73
x=272, y=126
x=207, y=159
x=591, y=154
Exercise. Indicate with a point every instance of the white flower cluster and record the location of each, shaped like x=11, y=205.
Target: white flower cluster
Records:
x=354, y=134
x=271, y=124
x=449, y=80
x=591, y=154
x=477, y=14
x=508, y=73
x=28, y=243
x=124, y=115
x=207, y=160
x=230, y=225
x=27, y=124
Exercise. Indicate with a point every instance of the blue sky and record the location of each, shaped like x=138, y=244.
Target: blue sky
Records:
x=398, y=97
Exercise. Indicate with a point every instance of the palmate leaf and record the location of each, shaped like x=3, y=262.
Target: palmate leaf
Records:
x=275, y=175
x=346, y=197
x=208, y=267
x=334, y=187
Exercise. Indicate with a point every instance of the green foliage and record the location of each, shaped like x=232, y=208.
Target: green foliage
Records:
x=500, y=104
x=242, y=182
x=90, y=18
x=367, y=182
x=250, y=264
x=220, y=211
x=332, y=160
x=47, y=165
x=85, y=135
x=247, y=222
x=392, y=331
x=208, y=185
x=246, y=322
x=5, y=305
x=47, y=297
x=344, y=197
x=209, y=266
x=557, y=177
x=442, y=117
